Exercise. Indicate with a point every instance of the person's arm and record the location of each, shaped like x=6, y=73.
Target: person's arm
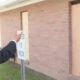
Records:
x=8, y=52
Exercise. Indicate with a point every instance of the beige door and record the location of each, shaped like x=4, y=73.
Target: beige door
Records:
x=76, y=39
x=26, y=33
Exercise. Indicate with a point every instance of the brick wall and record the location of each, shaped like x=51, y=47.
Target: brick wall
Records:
x=48, y=35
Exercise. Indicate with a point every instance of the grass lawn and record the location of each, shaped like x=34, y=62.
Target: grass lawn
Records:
x=9, y=71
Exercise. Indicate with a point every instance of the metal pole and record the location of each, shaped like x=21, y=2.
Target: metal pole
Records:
x=23, y=70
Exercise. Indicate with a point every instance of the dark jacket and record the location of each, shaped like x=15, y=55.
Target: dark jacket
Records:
x=8, y=52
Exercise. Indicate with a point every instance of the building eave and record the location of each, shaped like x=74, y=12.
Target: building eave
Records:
x=25, y=3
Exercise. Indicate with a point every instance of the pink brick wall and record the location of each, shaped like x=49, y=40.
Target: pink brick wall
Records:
x=9, y=24
x=48, y=35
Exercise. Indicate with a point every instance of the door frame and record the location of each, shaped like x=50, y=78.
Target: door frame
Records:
x=70, y=33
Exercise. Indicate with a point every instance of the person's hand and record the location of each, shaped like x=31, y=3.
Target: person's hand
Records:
x=17, y=36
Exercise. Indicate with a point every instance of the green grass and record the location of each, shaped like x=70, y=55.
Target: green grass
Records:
x=9, y=71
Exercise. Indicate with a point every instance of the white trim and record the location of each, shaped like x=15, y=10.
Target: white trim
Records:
x=6, y=2
x=20, y=5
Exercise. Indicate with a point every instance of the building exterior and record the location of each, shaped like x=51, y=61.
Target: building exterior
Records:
x=49, y=36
